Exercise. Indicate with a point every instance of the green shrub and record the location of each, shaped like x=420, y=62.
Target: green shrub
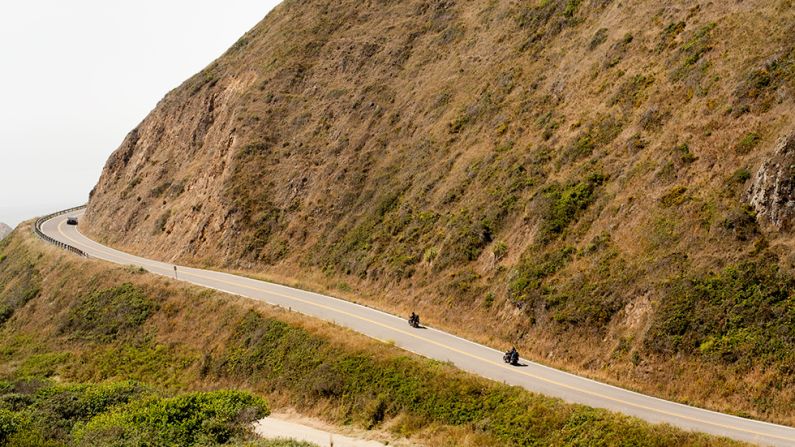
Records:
x=159, y=190
x=571, y=7
x=600, y=133
x=683, y=151
x=740, y=176
x=690, y=66
x=500, y=249
x=457, y=125
x=191, y=419
x=121, y=414
x=742, y=314
x=598, y=38
x=468, y=237
x=698, y=44
x=669, y=35
x=617, y=51
x=42, y=365
x=44, y=413
x=9, y=424
x=58, y=408
x=563, y=203
x=526, y=284
x=106, y=314
x=747, y=143
x=630, y=94
x=636, y=143
x=675, y=196
x=741, y=221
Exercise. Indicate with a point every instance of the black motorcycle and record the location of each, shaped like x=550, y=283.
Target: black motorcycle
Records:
x=414, y=321
x=511, y=357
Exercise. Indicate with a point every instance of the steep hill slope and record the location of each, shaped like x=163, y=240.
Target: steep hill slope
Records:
x=604, y=183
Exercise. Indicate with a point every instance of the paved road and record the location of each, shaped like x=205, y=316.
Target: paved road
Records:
x=428, y=342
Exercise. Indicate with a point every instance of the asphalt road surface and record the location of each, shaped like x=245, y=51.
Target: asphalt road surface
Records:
x=431, y=343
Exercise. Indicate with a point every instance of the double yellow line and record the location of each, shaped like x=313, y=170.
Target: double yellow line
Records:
x=467, y=354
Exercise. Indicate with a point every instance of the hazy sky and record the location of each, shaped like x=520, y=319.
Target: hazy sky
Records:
x=76, y=76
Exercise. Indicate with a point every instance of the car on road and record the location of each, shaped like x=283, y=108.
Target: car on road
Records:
x=71, y=220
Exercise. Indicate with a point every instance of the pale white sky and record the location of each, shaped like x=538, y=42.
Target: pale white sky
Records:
x=76, y=76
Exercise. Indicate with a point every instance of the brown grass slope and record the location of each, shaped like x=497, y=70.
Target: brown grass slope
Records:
x=571, y=176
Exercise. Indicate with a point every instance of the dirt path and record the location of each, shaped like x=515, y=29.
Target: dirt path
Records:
x=280, y=425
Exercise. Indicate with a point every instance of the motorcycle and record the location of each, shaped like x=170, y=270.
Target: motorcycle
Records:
x=414, y=321
x=511, y=357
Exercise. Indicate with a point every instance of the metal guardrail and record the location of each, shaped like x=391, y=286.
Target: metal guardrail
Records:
x=59, y=244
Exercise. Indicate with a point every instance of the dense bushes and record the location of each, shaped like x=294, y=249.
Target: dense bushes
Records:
x=743, y=314
x=35, y=412
x=562, y=203
x=191, y=419
x=526, y=284
x=104, y=314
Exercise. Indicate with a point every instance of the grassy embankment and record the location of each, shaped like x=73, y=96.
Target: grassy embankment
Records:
x=69, y=320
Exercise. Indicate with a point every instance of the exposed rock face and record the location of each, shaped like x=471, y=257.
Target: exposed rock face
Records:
x=5, y=230
x=772, y=194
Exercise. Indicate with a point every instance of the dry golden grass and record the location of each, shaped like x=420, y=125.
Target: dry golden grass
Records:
x=382, y=151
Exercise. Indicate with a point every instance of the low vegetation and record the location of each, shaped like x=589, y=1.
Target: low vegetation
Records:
x=36, y=411
x=739, y=316
x=105, y=314
x=195, y=340
x=562, y=204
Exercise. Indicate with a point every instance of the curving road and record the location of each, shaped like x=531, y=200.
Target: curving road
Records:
x=428, y=342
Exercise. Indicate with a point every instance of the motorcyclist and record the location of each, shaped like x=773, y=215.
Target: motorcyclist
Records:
x=512, y=356
x=414, y=319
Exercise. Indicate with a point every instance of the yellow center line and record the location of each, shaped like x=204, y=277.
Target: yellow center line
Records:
x=464, y=353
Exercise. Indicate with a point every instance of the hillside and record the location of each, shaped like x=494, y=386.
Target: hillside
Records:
x=98, y=355
x=605, y=184
x=5, y=230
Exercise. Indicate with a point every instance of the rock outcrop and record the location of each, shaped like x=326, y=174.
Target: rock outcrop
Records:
x=772, y=193
x=5, y=230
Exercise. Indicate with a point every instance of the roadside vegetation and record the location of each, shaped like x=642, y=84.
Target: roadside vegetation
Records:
x=149, y=369
x=40, y=412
